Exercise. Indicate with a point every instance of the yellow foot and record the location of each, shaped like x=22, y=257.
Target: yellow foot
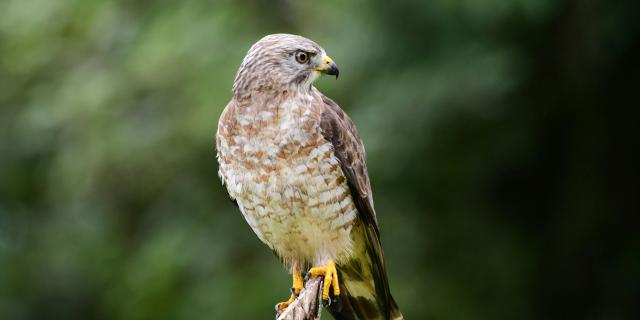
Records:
x=281, y=306
x=297, y=286
x=330, y=279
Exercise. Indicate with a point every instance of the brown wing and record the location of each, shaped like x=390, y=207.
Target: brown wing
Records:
x=338, y=129
x=378, y=303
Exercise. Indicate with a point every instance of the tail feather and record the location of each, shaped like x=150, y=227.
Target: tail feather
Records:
x=364, y=286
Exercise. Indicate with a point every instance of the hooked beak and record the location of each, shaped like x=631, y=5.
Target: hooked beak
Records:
x=328, y=67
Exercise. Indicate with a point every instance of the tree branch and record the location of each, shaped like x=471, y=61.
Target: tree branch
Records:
x=307, y=305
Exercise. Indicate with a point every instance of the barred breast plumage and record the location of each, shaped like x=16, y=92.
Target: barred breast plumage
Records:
x=286, y=179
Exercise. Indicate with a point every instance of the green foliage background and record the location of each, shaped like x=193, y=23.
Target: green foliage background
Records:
x=500, y=150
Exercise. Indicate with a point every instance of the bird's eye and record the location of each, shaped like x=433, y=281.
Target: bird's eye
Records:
x=302, y=57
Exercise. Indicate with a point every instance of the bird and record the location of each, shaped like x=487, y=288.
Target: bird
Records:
x=294, y=163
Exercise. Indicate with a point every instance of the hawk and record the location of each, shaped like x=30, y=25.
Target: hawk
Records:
x=294, y=164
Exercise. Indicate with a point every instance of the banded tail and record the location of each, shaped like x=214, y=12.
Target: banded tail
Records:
x=364, y=286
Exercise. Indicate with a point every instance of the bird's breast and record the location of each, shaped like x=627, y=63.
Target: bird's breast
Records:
x=289, y=186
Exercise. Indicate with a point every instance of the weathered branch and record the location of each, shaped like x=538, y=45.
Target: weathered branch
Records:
x=307, y=305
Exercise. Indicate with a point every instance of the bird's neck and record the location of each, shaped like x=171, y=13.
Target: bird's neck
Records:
x=269, y=95
x=268, y=88
x=285, y=111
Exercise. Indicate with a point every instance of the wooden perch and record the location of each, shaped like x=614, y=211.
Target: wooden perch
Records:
x=307, y=305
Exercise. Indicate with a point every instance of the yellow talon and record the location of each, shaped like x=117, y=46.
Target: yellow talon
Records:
x=298, y=284
x=330, y=279
x=280, y=307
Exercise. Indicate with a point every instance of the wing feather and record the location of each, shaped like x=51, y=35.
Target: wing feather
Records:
x=338, y=129
x=341, y=132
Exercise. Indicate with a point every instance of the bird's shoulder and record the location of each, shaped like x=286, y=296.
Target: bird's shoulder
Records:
x=226, y=115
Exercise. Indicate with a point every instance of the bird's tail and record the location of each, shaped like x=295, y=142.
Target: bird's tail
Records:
x=364, y=286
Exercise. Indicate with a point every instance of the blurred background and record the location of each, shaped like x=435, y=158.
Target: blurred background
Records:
x=500, y=144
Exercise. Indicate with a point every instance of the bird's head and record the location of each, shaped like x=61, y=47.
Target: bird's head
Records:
x=282, y=62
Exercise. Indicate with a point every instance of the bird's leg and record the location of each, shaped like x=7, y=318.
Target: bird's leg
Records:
x=296, y=287
x=330, y=275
